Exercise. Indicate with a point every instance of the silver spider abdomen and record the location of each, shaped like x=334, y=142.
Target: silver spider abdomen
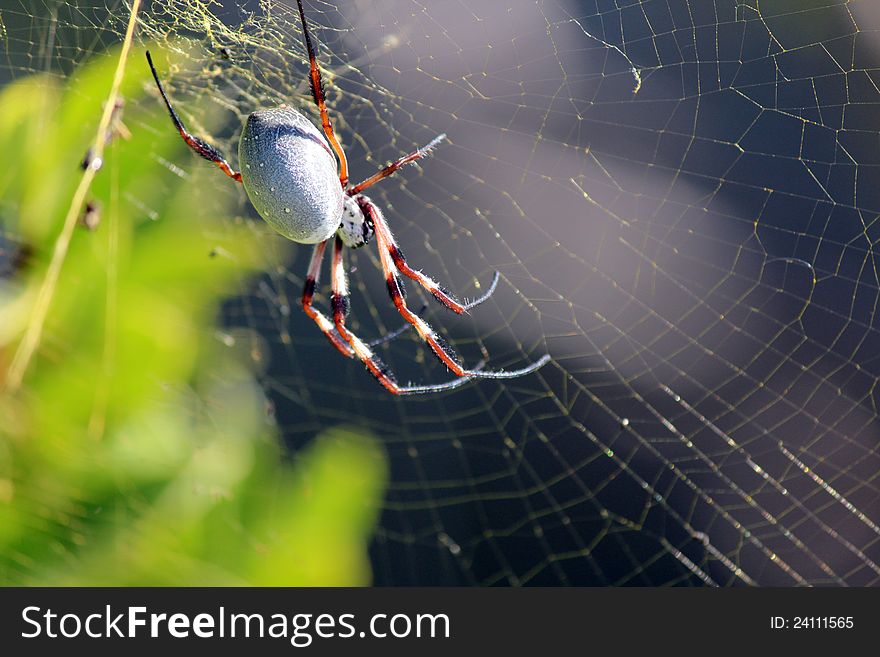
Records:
x=290, y=175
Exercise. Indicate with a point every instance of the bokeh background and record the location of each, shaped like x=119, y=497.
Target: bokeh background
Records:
x=679, y=197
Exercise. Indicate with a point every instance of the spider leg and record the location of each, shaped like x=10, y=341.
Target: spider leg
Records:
x=317, y=86
x=383, y=232
x=394, y=166
x=421, y=311
x=388, y=337
x=442, y=350
x=363, y=352
x=339, y=299
x=200, y=146
x=340, y=304
x=323, y=323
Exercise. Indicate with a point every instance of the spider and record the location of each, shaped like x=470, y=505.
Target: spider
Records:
x=301, y=189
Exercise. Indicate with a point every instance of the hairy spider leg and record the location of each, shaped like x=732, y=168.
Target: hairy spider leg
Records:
x=200, y=146
x=442, y=350
x=417, y=154
x=388, y=337
x=362, y=351
x=443, y=296
x=317, y=86
x=311, y=283
x=380, y=227
x=340, y=304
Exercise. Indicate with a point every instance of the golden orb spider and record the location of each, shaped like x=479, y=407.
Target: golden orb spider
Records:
x=302, y=190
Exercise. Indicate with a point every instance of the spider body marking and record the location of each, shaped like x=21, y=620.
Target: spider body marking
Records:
x=297, y=180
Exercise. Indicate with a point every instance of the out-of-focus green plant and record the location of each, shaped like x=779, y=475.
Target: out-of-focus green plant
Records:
x=138, y=450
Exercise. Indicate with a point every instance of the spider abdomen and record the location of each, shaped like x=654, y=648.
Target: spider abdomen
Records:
x=290, y=175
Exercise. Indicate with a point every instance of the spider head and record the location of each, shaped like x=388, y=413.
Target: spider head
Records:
x=355, y=229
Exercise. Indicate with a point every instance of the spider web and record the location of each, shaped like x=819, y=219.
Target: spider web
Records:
x=681, y=200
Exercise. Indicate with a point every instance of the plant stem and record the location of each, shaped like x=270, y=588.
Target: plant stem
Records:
x=33, y=334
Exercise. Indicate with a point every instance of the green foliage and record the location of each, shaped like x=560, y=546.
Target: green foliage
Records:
x=138, y=450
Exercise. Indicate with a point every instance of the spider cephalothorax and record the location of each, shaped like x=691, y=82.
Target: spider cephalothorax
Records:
x=356, y=228
x=297, y=180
